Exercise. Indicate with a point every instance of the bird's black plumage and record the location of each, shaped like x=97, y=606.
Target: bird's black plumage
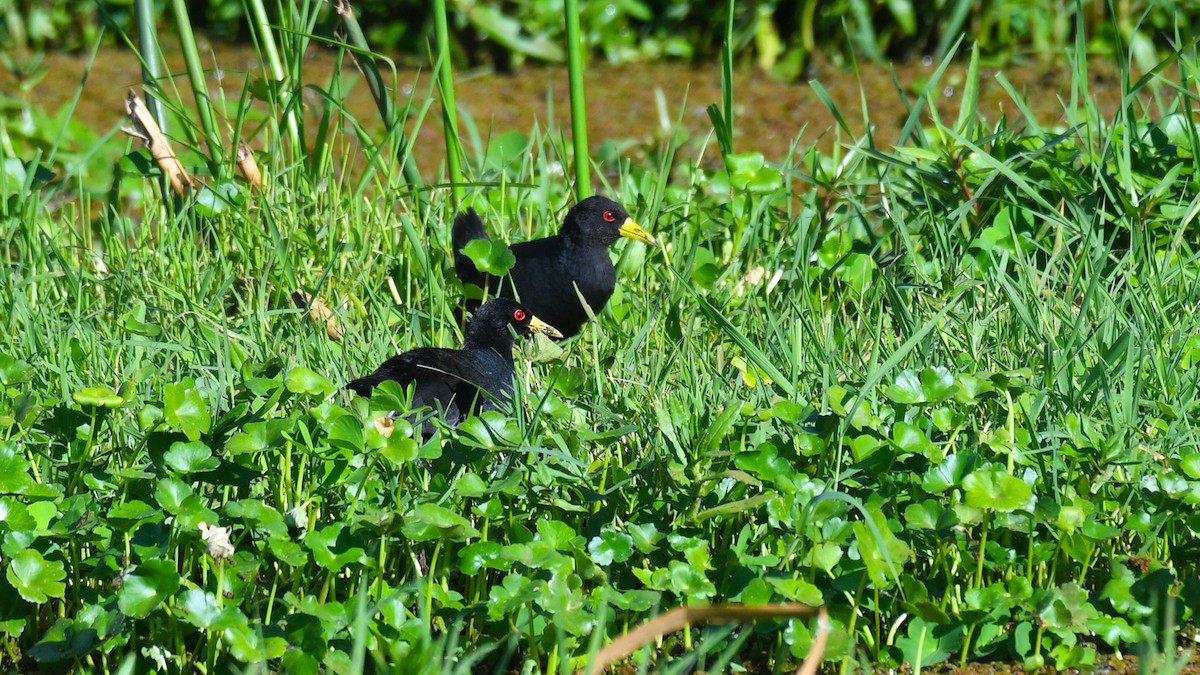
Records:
x=548, y=271
x=459, y=382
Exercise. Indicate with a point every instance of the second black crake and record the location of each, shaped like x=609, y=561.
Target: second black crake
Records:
x=548, y=271
x=459, y=382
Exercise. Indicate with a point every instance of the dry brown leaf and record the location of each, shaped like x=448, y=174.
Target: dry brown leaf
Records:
x=319, y=311
x=145, y=128
x=247, y=165
x=681, y=617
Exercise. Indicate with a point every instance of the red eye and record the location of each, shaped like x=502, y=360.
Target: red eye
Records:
x=519, y=315
x=610, y=216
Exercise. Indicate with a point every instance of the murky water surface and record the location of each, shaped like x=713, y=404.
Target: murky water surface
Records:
x=637, y=103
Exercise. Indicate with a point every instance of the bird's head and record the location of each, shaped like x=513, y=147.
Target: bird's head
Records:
x=601, y=220
x=490, y=325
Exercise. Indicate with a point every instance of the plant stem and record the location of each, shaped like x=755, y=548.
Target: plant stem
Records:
x=191, y=57
x=445, y=73
x=583, y=179
x=261, y=28
x=151, y=66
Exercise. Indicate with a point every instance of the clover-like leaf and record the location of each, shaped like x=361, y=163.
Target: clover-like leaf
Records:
x=479, y=555
x=185, y=410
x=430, y=521
x=301, y=380
x=14, y=370
x=492, y=257
x=992, y=489
x=489, y=431
x=1190, y=465
x=645, y=537
x=1069, y=609
x=190, y=457
x=200, y=608
x=217, y=199
x=146, y=587
x=346, y=433
x=610, y=547
x=14, y=469
x=36, y=578
x=99, y=397
x=334, y=546
x=67, y=639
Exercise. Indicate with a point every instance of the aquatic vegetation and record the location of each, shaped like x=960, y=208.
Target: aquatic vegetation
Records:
x=945, y=389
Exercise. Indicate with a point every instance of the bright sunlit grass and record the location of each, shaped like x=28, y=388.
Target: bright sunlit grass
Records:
x=946, y=389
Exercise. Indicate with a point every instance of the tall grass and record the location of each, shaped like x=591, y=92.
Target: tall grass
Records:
x=946, y=389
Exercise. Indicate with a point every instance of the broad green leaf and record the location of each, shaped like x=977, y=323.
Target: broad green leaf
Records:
x=477, y=556
x=910, y=438
x=645, y=537
x=66, y=640
x=883, y=554
x=99, y=397
x=201, y=609
x=185, y=410
x=992, y=489
x=489, y=431
x=1190, y=465
x=346, y=433
x=190, y=457
x=610, y=547
x=14, y=371
x=490, y=256
x=470, y=485
x=36, y=578
x=334, y=546
x=15, y=516
x=797, y=590
x=301, y=380
x=14, y=469
x=147, y=586
x=430, y=521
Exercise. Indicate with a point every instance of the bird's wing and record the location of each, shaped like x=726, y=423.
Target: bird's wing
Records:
x=448, y=380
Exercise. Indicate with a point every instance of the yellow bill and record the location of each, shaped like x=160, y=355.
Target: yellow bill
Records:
x=536, y=325
x=634, y=231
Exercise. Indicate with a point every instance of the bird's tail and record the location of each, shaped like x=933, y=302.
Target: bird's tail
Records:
x=467, y=228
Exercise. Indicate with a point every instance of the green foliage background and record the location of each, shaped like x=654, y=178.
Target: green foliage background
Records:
x=946, y=388
x=782, y=35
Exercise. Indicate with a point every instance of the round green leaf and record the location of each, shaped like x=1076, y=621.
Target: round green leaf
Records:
x=301, y=380
x=184, y=409
x=14, y=469
x=36, y=578
x=99, y=397
x=493, y=257
x=1190, y=465
x=489, y=431
x=14, y=370
x=200, y=608
x=346, y=433
x=67, y=639
x=610, y=547
x=429, y=521
x=991, y=489
x=146, y=587
x=470, y=484
x=191, y=457
x=479, y=555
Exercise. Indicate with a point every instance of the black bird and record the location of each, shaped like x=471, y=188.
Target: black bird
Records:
x=548, y=271
x=459, y=382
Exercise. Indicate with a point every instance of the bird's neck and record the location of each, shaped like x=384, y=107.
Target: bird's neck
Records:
x=502, y=347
